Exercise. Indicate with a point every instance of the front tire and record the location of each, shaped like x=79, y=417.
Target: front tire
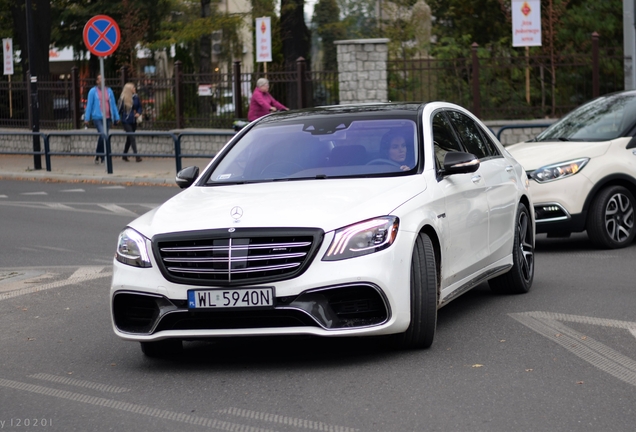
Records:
x=424, y=297
x=610, y=224
x=519, y=279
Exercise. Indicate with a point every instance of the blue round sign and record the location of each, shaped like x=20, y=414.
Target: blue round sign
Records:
x=101, y=35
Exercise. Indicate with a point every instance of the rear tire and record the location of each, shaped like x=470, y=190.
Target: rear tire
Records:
x=424, y=297
x=610, y=223
x=162, y=348
x=519, y=279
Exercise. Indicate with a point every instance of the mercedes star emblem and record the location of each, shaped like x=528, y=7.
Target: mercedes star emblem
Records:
x=236, y=212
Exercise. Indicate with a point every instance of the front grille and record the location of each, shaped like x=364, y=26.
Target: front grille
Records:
x=221, y=257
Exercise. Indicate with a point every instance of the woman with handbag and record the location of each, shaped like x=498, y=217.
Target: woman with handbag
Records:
x=130, y=113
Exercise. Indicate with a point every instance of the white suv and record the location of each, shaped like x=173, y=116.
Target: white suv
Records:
x=583, y=172
x=338, y=221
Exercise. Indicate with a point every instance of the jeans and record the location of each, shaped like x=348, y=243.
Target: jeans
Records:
x=99, y=124
x=130, y=139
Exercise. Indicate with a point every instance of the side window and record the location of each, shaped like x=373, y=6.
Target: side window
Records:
x=444, y=139
x=470, y=135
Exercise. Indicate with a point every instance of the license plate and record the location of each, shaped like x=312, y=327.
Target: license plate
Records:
x=234, y=298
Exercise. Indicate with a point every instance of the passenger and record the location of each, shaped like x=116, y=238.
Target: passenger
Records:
x=397, y=148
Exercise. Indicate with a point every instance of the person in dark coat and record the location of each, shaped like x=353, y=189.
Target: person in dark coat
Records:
x=130, y=113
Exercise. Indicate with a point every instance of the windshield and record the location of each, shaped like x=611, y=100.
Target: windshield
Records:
x=603, y=119
x=320, y=147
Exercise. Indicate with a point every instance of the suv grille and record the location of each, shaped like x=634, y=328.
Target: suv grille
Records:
x=243, y=256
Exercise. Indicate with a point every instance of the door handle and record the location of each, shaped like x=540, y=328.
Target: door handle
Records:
x=476, y=178
x=509, y=168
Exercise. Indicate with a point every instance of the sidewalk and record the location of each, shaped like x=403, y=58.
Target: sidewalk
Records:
x=82, y=169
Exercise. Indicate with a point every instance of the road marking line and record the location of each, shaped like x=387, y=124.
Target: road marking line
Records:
x=117, y=209
x=588, y=349
x=59, y=206
x=86, y=271
x=633, y=331
x=73, y=190
x=150, y=206
x=80, y=383
x=4, y=196
x=275, y=418
x=112, y=187
x=70, y=281
x=33, y=193
x=130, y=407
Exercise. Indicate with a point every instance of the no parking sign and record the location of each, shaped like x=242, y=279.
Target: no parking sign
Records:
x=101, y=35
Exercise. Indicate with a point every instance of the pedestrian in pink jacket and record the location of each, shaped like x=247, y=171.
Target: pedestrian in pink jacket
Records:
x=262, y=102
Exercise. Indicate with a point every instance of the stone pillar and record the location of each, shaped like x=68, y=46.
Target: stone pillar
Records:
x=362, y=70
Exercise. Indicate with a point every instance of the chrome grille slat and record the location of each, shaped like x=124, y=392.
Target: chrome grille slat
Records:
x=224, y=271
x=235, y=259
x=217, y=257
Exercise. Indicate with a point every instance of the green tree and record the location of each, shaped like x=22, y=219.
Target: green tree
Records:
x=327, y=23
x=482, y=20
x=360, y=18
x=294, y=32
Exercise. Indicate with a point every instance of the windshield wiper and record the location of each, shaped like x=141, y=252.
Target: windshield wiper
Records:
x=563, y=139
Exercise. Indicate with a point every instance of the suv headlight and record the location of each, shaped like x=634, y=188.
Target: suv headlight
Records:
x=131, y=249
x=560, y=170
x=363, y=238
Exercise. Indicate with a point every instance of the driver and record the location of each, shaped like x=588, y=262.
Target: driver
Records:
x=394, y=147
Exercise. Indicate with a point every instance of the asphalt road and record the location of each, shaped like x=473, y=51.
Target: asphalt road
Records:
x=560, y=358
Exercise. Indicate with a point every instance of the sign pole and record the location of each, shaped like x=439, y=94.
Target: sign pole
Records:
x=10, y=99
x=528, y=75
x=35, y=107
x=103, y=102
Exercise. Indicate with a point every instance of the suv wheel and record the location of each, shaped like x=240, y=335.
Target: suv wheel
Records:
x=610, y=223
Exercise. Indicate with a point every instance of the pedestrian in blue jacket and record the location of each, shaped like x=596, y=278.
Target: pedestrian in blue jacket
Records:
x=94, y=112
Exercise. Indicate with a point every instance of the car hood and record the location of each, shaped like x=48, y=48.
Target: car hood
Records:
x=533, y=155
x=327, y=204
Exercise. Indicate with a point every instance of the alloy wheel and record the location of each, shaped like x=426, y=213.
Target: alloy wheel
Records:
x=526, y=249
x=619, y=217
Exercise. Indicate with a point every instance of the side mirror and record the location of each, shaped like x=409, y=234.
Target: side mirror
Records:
x=460, y=163
x=631, y=144
x=187, y=176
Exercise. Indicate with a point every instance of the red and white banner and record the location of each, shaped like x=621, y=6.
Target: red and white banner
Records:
x=7, y=55
x=526, y=23
x=263, y=40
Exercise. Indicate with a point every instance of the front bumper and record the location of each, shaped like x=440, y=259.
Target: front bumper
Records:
x=558, y=205
x=368, y=295
x=553, y=219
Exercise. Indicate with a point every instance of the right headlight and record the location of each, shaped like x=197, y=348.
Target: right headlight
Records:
x=363, y=238
x=131, y=249
x=559, y=170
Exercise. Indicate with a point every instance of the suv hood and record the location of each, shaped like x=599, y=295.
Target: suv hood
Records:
x=533, y=155
x=327, y=204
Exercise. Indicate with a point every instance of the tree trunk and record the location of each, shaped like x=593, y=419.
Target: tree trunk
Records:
x=205, y=43
x=296, y=40
x=41, y=15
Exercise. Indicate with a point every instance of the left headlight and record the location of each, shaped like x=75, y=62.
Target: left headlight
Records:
x=131, y=249
x=363, y=238
x=560, y=170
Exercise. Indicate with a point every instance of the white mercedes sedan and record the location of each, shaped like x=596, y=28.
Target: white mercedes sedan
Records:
x=332, y=222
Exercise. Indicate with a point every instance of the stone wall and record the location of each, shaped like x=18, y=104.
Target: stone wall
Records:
x=81, y=141
x=362, y=70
